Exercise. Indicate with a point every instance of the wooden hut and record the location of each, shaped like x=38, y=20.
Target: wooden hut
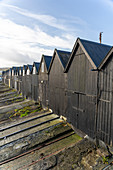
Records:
x=20, y=79
x=10, y=77
x=17, y=79
x=7, y=77
x=13, y=77
x=3, y=77
x=28, y=82
x=34, y=81
x=82, y=84
x=19, y=74
x=104, y=116
x=24, y=81
x=43, y=80
x=58, y=82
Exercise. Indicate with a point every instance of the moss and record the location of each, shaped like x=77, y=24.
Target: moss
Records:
x=25, y=114
x=66, y=142
x=105, y=160
x=24, y=111
x=10, y=90
x=19, y=100
x=37, y=110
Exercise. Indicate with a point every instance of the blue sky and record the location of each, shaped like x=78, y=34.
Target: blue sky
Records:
x=30, y=28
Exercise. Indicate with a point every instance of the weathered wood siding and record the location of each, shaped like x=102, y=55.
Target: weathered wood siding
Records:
x=105, y=106
x=24, y=86
x=19, y=83
x=81, y=93
x=43, y=86
x=34, y=87
x=28, y=86
x=57, y=87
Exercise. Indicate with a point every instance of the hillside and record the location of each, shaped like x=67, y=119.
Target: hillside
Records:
x=3, y=69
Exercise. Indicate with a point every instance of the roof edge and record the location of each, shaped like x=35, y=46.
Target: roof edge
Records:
x=105, y=58
x=78, y=41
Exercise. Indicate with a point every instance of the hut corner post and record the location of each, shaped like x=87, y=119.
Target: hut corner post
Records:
x=96, y=112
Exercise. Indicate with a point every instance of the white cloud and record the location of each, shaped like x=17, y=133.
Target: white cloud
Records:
x=20, y=43
x=46, y=19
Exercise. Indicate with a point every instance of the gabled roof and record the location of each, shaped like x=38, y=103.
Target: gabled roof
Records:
x=94, y=51
x=14, y=68
x=36, y=64
x=10, y=69
x=7, y=71
x=17, y=69
x=63, y=56
x=3, y=72
x=29, y=67
x=47, y=60
x=21, y=68
x=106, y=58
x=25, y=67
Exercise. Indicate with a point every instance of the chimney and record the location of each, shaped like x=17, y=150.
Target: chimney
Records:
x=100, y=37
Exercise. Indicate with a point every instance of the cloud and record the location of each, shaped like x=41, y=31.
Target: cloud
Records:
x=46, y=19
x=20, y=43
x=23, y=44
x=64, y=24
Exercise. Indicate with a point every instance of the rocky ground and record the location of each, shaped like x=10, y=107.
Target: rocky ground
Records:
x=35, y=139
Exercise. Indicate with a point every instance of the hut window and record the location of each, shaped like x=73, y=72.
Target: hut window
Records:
x=42, y=68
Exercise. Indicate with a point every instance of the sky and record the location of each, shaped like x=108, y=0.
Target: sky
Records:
x=30, y=28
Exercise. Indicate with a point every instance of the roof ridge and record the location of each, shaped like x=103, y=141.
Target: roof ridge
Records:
x=94, y=42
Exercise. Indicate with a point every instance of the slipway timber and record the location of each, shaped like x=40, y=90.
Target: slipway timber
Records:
x=39, y=131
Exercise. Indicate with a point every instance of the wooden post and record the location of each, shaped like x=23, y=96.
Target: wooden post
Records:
x=96, y=113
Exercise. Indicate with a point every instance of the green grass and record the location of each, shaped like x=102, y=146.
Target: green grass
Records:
x=26, y=110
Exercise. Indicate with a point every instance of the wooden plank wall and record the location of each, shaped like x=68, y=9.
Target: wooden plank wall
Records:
x=28, y=86
x=81, y=93
x=57, y=87
x=105, y=109
x=34, y=87
x=43, y=86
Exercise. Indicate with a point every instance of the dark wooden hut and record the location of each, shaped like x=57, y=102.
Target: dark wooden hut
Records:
x=28, y=81
x=24, y=81
x=3, y=77
x=43, y=80
x=17, y=79
x=82, y=84
x=13, y=77
x=10, y=77
x=104, y=116
x=20, y=79
x=34, y=81
x=7, y=77
x=58, y=82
